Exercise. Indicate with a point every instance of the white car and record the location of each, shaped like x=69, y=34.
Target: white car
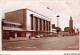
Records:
x=39, y=36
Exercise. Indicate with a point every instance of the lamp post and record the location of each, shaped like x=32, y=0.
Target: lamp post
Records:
x=57, y=20
x=58, y=25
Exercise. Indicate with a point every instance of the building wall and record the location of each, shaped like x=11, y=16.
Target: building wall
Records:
x=37, y=19
x=14, y=16
x=64, y=33
x=17, y=17
x=23, y=16
x=66, y=29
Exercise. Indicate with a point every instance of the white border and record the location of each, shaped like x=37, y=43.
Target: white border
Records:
x=58, y=52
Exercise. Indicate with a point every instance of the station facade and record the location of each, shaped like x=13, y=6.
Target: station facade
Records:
x=24, y=22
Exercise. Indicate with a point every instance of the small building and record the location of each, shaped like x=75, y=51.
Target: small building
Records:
x=55, y=30
x=66, y=29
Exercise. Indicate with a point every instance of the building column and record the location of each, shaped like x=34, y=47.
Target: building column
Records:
x=48, y=25
x=38, y=24
x=42, y=25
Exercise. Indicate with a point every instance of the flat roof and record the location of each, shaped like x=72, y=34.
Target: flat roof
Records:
x=31, y=11
x=38, y=13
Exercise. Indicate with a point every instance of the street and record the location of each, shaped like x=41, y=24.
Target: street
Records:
x=49, y=43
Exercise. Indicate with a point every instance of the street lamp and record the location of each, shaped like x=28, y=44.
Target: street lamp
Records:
x=58, y=25
x=57, y=20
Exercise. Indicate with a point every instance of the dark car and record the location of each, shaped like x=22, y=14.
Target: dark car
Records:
x=30, y=36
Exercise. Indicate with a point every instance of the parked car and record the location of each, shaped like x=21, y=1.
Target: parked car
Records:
x=30, y=36
x=36, y=36
x=39, y=36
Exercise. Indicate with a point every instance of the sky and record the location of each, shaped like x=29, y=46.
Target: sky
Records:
x=48, y=8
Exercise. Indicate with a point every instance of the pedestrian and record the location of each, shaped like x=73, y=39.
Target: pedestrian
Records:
x=30, y=37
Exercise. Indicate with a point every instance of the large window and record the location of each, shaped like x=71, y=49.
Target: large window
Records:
x=36, y=22
x=12, y=25
x=40, y=24
x=31, y=21
x=44, y=25
x=49, y=26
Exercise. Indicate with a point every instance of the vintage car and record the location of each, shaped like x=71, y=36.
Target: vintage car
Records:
x=36, y=36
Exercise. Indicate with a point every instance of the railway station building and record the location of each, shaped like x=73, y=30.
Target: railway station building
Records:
x=24, y=22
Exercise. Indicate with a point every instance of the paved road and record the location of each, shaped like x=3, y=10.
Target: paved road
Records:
x=49, y=43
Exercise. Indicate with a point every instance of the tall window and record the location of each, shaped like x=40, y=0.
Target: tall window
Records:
x=49, y=26
x=31, y=21
x=44, y=25
x=36, y=23
x=40, y=24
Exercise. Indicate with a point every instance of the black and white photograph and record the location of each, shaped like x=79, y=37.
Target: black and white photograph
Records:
x=40, y=25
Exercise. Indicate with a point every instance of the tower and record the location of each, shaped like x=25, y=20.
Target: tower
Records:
x=71, y=25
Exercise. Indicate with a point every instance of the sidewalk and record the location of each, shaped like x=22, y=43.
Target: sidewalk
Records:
x=15, y=39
